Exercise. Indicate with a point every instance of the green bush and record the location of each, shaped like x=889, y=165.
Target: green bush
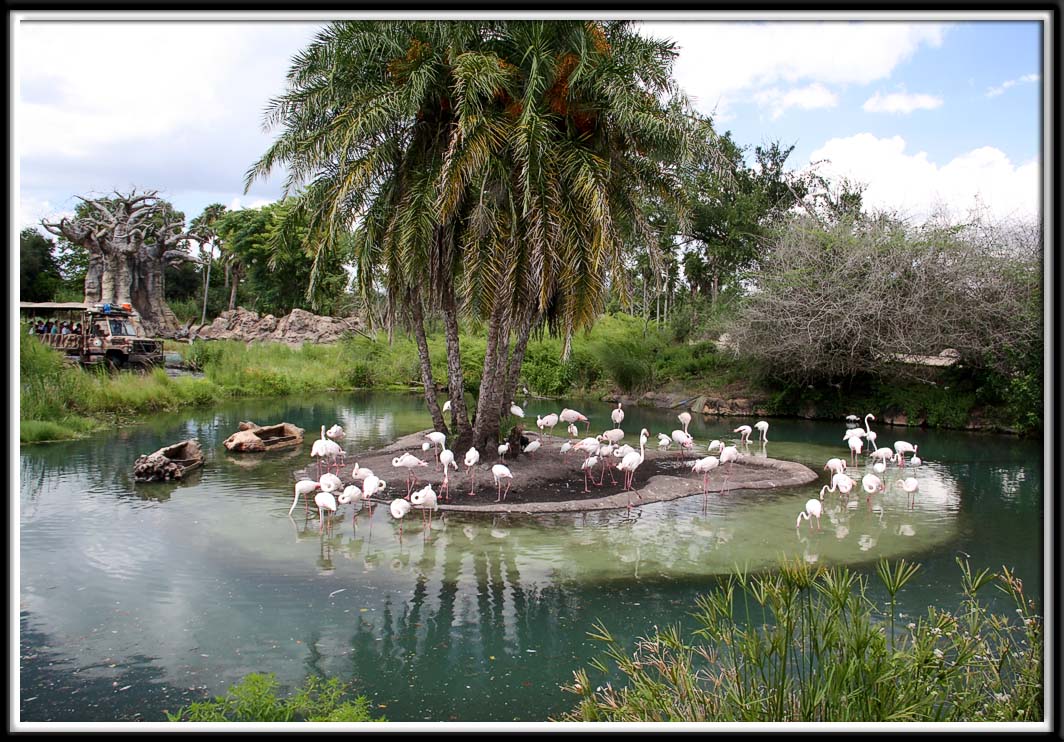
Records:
x=255, y=698
x=812, y=646
x=359, y=375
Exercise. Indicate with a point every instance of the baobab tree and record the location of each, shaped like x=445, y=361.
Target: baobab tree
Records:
x=130, y=240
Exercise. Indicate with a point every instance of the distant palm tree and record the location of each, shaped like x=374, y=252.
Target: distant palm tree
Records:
x=491, y=168
x=203, y=225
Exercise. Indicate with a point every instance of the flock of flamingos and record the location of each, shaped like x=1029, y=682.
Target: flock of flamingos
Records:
x=603, y=452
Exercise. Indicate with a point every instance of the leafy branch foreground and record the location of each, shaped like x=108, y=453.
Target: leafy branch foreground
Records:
x=810, y=648
x=254, y=698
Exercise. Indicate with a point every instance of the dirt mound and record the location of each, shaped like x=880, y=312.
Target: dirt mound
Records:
x=294, y=329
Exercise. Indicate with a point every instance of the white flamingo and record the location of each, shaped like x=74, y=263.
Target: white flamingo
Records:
x=910, y=485
x=728, y=455
x=685, y=420
x=813, y=508
x=684, y=439
x=324, y=448
x=762, y=427
x=842, y=483
x=714, y=445
x=372, y=485
x=359, y=473
x=335, y=433
x=399, y=508
x=447, y=459
x=870, y=435
x=330, y=482
x=915, y=460
x=618, y=416
x=438, y=440
x=856, y=444
x=590, y=446
x=572, y=416
x=409, y=462
x=902, y=448
x=605, y=455
x=324, y=501
x=631, y=462
x=664, y=442
x=350, y=496
x=572, y=430
x=835, y=466
x=516, y=411
x=500, y=472
x=548, y=422
x=872, y=484
x=613, y=435
x=879, y=467
x=588, y=466
x=704, y=466
x=304, y=488
x=744, y=432
x=471, y=458
x=854, y=433
x=425, y=500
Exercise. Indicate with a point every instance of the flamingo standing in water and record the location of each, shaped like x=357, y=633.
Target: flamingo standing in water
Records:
x=325, y=448
x=425, y=500
x=350, y=496
x=871, y=484
x=399, y=508
x=813, y=508
x=704, y=466
x=835, y=466
x=856, y=444
x=500, y=472
x=371, y=486
x=728, y=456
x=762, y=427
x=870, y=435
x=471, y=458
x=685, y=419
x=910, y=485
x=618, y=416
x=842, y=483
x=304, y=487
x=744, y=432
x=324, y=501
x=902, y=448
x=571, y=417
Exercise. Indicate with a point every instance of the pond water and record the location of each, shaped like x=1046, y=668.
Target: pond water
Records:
x=135, y=598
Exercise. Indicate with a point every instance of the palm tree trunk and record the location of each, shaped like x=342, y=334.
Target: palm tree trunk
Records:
x=486, y=432
x=455, y=375
x=207, y=285
x=418, y=320
x=513, y=374
x=232, y=290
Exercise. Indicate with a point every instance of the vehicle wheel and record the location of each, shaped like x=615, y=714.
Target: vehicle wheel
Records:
x=116, y=360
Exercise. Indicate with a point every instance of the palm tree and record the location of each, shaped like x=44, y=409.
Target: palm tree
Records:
x=203, y=225
x=488, y=168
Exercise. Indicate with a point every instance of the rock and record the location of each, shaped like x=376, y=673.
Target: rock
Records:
x=698, y=404
x=244, y=440
x=296, y=328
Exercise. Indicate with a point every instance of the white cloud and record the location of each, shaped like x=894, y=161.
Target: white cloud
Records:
x=809, y=97
x=901, y=102
x=914, y=185
x=991, y=92
x=239, y=203
x=722, y=63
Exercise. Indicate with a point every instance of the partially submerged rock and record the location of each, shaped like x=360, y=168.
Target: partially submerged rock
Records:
x=252, y=438
x=169, y=463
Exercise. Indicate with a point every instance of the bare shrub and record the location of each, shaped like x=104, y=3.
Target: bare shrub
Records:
x=834, y=301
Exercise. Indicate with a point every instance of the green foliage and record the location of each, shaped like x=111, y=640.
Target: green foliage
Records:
x=39, y=277
x=811, y=645
x=255, y=699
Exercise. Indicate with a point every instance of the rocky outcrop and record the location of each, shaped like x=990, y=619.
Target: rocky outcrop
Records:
x=294, y=329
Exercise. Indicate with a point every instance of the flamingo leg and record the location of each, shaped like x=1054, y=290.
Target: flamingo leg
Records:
x=585, y=481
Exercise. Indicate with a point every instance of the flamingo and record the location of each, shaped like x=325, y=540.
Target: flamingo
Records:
x=714, y=445
x=571, y=429
x=350, y=496
x=324, y=448
x=879, y=467
x=871, y=484
x=360, y=473
x=566, y=447
x=618, y=416
x=685, y=420
x=425, y=500
x=762, y=426
x=499, y=471
x=883, y=454
x=842, y=483
x=744, y=432
x=324, y=501
x=303, y=487
x=335, y=433
x=684, y=440
x=438, y=441
x=836, y=466
x=856, y=444
x=447, y=459
x=870, y=435
x=915, y=460
x=371, y=486
x=549, y=421
x=614, y=435
x=516, y=411
x=910, y=485
x=902, y=448
x=471, y=458
x=704, y=466
x=631, y=462
x=409, y=462
x=853, y=433
x=572, y=416
x=728, y=455
x=621, y=451
x=532, y=447
x=590, y=446
x=399, y=507
x=813, y=508
x=330, y=482
x=664, y=442
x=588, y=466
x=605, y=454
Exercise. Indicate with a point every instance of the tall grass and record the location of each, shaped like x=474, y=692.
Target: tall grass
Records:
x=808, y=644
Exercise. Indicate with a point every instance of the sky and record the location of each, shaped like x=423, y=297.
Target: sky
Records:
x=925, y=115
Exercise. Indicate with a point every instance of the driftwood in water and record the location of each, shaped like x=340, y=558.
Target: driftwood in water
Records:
x=251, y=438
x=168, y=463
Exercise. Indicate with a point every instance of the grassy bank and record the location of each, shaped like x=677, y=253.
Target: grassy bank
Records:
x=621, y=353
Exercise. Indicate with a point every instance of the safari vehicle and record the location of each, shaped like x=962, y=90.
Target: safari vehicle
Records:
x=110, y=334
